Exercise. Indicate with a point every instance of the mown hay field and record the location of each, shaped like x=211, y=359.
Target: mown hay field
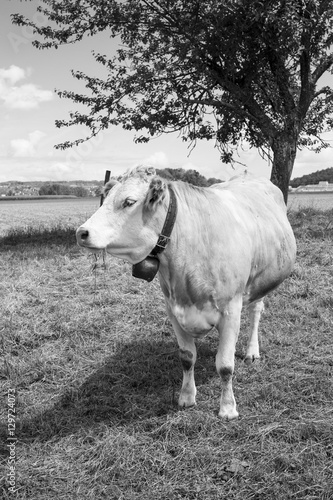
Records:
x=318, y=201
x=34, y=213
x=92, y=362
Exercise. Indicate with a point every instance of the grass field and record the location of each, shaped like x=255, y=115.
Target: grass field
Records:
x=34, y=213
x=318, y=201
x=94, y=365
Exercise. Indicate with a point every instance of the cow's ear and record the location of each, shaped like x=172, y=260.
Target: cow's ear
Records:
x=108, y=186
x=156, y=193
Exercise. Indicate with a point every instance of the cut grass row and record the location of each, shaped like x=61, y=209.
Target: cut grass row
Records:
x=56, y=234
x=94, y=362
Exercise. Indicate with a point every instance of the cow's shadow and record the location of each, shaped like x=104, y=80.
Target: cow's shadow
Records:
x=139, y=381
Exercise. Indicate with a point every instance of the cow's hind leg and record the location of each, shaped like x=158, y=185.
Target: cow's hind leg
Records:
x=225, y=359
x=252, y=350
x=188, y=356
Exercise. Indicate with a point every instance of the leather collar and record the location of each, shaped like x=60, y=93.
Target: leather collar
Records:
x=148, y=267
x=169, y=222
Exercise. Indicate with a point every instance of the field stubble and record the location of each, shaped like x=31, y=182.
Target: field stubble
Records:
x=94, y=362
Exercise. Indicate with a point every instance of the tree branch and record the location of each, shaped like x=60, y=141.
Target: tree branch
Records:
x=281, y=76
x=324, y=65
x=325, y=90
x=219, y=104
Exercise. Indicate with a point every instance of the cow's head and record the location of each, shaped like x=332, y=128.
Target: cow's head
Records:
x=128, y=223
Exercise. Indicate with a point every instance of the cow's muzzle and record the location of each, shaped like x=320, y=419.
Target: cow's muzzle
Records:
x=82, y=237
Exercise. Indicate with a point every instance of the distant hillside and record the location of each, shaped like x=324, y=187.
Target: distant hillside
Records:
x=59, y=188
x=91, y=188
x=314, y=178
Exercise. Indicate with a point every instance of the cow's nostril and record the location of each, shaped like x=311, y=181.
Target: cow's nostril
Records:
x=82, y=234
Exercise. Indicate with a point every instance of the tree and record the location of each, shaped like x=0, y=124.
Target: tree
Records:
x=47, y=190
x=54, y=189
x=213, y=180
x=190, y=176
x=229, y=70
x=80, y=191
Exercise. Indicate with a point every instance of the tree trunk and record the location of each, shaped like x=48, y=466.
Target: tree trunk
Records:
x=284, y=153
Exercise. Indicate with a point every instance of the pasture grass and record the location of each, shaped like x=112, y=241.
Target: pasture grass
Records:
x=37, y=235
x=94, y=362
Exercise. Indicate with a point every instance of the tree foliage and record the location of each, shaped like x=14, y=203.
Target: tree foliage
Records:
x=230, y=70
x=51, y=189
x=62, y=189
x=191, y=176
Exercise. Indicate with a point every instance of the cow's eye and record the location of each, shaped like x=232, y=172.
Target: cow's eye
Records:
x=128, y=202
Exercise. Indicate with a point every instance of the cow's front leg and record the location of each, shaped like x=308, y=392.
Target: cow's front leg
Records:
x=252, y=351
x=225, y=359
x=188, y=356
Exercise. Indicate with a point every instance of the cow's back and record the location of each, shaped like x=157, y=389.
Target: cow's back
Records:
x=261, y=208
x=253, y=192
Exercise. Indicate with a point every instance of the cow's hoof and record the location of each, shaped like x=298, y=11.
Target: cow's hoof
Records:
x=253, y=358
x=186, y=402
x=226, y=416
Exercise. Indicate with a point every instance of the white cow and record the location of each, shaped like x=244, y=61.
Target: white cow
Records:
x=230, y=245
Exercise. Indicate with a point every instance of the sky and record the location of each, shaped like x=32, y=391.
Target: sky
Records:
x=29, y=107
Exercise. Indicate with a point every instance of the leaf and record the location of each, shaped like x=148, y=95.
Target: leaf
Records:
x=237, y=466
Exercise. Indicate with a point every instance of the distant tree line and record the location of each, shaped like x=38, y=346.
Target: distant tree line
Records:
x=314, y=178
x=191, y=176
x=63, y=189
x=172, y=174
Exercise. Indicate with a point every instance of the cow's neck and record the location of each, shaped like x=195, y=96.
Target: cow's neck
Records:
x=188, y=249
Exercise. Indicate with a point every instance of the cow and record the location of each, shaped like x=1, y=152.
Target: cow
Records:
x=215, y=250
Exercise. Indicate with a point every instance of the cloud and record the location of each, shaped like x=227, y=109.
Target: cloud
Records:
x=308, y=161
x=13, y=74
x=42, y=168
x=26, y=147
x=25, y=96
x=158, y=159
